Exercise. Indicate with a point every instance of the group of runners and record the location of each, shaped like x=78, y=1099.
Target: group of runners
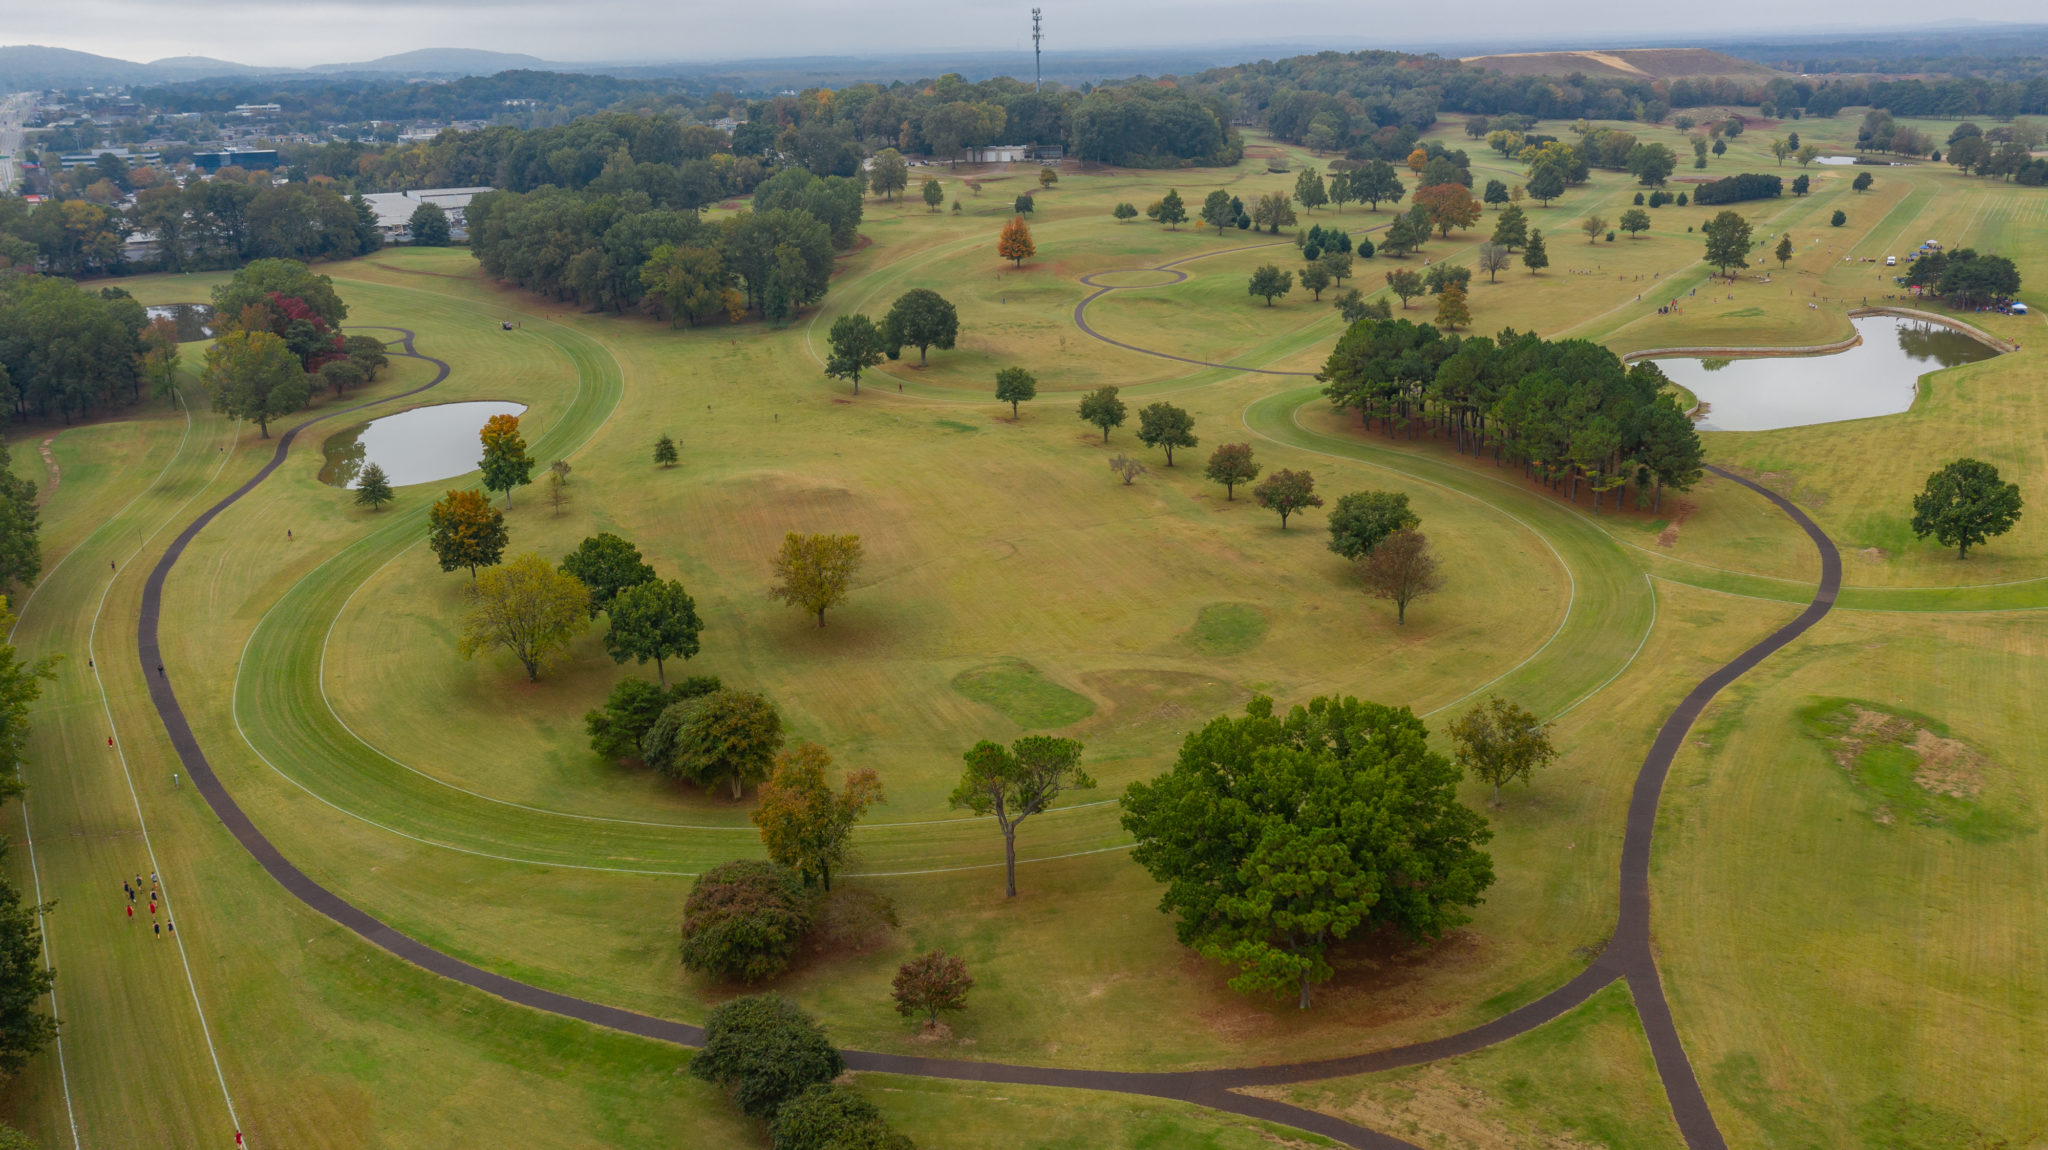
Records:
x=159, y=927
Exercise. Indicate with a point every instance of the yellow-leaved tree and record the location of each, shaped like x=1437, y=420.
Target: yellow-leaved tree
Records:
x=804, y=825
x=1015, y=243
x=528, y=608
x=816, y=571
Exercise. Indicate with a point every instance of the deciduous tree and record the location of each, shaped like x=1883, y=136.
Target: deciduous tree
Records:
x=1309, y=191
x=1964, y=504
x=1377, y=181
x=1015, y=783
x=1406, y=284
x=1497, y=742
x=1727, y=238
x=665, y=451
x=1511, y=227
x=827, y=1117
x=1275, y=838
x=725, y=736
x=743, y=920
x=1315, y=277
x=1014, y=385
x=1449, y=206
x=1546, y=183
x=1230, y=465
x=1635, y=220
x=1125, y=211
x=931, y=983
x=804, y=825
x=1015, y=243
x=505, y=463
x=1784, y=250
x=528, y=608
x=607, y=565
x=1452, y=310
x=159, y=363
x=1363, y=518
x=1400, y=568
x=254, y=376
x=464, y=530
x=1172, y=212
x=920, y=318
x=1287, y=492
x=652, y=620
x=1593, y=225
x=1492, y=258
x=934, y=194
x=816, y=571
x=888, y=173
x=1102, y=408
x=1165, y=426
x=1270, y=282
x=1273, y=211
x=21, y=549
x=854, y=345
x=690, y=281
x=765, y=1051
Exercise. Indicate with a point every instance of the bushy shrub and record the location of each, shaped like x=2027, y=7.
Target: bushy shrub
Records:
x=832, y=1118
x=764, y=1051
x=744, y=920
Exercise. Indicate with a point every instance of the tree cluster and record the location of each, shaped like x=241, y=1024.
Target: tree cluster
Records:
x=1965, y=278
x=66, y=350
x=1568, y=410
x=1735, y=189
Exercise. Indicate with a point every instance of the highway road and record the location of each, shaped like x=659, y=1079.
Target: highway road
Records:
x=14, y=110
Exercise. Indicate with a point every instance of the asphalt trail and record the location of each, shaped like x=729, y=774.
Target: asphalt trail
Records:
x=1627, y=954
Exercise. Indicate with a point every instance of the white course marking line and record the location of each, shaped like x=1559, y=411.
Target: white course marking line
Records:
x=121, y=752
x=1588, y=696
x=27, y=831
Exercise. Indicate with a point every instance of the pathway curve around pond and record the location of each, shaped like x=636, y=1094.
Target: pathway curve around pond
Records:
x=1627, y=955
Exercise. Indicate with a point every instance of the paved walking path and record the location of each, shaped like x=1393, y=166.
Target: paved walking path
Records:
x=1627, y=954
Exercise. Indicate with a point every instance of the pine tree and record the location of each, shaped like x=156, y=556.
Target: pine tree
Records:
x=373, y=490
x=1535, y=257
x=665, y=451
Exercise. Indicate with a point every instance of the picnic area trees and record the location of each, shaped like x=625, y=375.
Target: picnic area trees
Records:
x=1017, y=782
x=1276, y=838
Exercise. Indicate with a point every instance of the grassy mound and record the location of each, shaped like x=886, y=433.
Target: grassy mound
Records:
x=1020, y=691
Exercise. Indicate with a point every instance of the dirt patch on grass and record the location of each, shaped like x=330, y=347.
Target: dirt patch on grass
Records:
x=1873, y=555
x=1453, y=1113
x=1947, y=767
x=1680, y=512
x=1914, y=771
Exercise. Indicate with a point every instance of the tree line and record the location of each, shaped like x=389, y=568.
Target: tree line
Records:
x=1569, y=411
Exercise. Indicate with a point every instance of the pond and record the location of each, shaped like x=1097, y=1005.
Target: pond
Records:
x=417, y=446
x=1844, y=161
x=194, y=320
x=1876, y=377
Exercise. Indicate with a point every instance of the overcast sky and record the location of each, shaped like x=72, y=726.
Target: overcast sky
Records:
x=291, y=33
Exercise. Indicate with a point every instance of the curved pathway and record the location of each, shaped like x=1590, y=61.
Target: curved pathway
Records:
x=1627, y=955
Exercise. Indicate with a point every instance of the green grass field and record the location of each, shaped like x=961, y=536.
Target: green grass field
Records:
x=1837, y=977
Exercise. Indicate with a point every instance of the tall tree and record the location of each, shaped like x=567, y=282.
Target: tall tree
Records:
x=1173, y=212
x=1449, y=206
x=1511, y=227
x=21, y=684
x=691, y=281
x=21, y=549
x=429, y=226
x=1015, y=242
x=1165, y=426
x=1275, y=838
x=528, y=608
x=1230, y=465
x=1015, y=783
x=889, y=173
x=1546, y=183
x=1014, y=385
x=1287, y=492
x=1377, y=181
x=933, y=194
x=464, y=530
x=1635, y=220
x=159, y=363
x=920, y=318
x=1593, y=225
x=1340, y=191
x=653, y=620
x=254, y=376
x=1728, y=243
x=804, y=825
x=1406, y=284
x=607, y=565
x=1217, y=211
x=1400, y=568
x=505, y=463
x=1535, y=257
x=1784, y=250
x=1498, y=742
x=816, y=571
x=665, y=455
x=854, y=346
x=1491, y=258
x=1964, y=504
x=1102, y=408
x=373, y=488
x=1363, y=518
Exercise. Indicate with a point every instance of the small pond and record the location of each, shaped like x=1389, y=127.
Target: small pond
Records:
x=1876, y=377
x=194, y=320
x=1847, y=161
x=417, y=446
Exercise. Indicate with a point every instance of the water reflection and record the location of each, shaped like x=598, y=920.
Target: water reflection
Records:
x=1876, y=377
x=417, y=446
x=194, y=320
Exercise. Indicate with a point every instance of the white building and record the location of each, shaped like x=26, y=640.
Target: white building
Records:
x=394, y=210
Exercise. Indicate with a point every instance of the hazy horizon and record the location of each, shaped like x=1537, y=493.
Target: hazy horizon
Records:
x=628, y=31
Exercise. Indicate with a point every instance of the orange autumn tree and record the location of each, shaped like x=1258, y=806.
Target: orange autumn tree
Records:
x=803, y=824
x=1015, y=244
x=1449, y=206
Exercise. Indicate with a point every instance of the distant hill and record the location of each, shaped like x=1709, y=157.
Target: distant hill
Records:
x=1634, y=63
x=451, y=62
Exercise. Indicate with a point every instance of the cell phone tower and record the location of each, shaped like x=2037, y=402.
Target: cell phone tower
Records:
x=1037, y=66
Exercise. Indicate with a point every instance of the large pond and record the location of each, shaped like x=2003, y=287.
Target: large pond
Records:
x=1876, y=377
x=417, y=446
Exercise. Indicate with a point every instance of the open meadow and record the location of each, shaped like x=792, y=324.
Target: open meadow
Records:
x=1850, y=949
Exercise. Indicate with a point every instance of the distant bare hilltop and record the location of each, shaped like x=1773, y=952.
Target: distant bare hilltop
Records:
x=1633, y=63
